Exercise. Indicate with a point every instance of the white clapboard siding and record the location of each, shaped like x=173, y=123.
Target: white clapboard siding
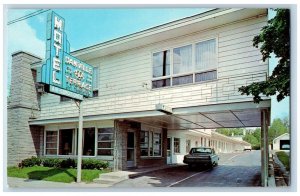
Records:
x=125, y=78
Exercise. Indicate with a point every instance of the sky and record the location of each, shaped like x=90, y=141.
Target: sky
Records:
x=86, y=27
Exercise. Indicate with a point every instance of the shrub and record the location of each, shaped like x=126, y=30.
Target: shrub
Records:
x=284, y=159
x=93, y=164
x=64, y=163
x=68, y=163
x=51, y=162
x=30, y=162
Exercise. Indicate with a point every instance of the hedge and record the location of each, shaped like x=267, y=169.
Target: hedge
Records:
x=64, y=163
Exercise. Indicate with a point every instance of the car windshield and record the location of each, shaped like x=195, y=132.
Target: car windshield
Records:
x=200, y=150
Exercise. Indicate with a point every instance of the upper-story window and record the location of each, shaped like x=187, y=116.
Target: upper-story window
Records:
x=192, y=63
x=206, y=60
x=161, y=69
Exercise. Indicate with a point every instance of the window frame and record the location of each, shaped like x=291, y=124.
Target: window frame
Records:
x=111, y=141
x=57, y=142
x=194, y=71
x=75, y=139
x=179, y=151
x=162, y=77
x=152, y=131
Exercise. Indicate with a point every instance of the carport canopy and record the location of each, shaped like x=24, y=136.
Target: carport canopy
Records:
x=233, y=115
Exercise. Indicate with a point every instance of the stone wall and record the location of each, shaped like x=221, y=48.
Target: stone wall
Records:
x=23, y=141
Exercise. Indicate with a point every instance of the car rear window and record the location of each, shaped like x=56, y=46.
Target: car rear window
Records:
x=200, y=150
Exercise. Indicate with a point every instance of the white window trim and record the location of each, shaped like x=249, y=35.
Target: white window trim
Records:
x=179, y=145
x=193, y=72
x=113, y=140
x=45, y=144
x=76, y=143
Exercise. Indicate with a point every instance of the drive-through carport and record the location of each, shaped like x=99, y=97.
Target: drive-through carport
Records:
x=231, y=115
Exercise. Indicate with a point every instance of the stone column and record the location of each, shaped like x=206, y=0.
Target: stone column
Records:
x=23, y=104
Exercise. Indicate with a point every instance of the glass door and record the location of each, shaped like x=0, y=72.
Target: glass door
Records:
x=130, y=150
x=169, y=158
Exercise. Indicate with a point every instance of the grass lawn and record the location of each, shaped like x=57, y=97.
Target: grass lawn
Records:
x=53, y=174
x=284, y=158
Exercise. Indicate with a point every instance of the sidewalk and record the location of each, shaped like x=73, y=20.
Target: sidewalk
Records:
x=18, y=184
x=34, y=185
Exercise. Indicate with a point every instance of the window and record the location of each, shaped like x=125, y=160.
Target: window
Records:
x=183, y=80
x=160, y=83
x=51, y=142
x=66, y=142
x=144, y=143
x=161, y=69
x=206, y=57
x=161, y=64
x=204, y=76
x=176, y=145
x=169, y=147
x=62, y=142
x=182, y=59
x=156, y=144
x=105, y=141
x=284, y=144
x=193, y=63
x=150, y=143
x=88, y=142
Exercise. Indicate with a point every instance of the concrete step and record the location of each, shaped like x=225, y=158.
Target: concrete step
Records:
x=111, y=178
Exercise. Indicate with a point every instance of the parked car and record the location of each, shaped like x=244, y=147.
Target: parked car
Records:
x=201, y=156
x=249, y=148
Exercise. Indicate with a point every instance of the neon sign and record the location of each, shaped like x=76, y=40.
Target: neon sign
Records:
x=62, y=70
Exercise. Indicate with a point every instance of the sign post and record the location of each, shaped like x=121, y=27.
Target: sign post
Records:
x=64, y=74
x=79, y=156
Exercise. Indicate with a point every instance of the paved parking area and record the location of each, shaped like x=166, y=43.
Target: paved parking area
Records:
x=235, y=170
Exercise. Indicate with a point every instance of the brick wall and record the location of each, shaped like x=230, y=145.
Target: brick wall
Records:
x=154, y=161
x=23, y=141
x=121, y=147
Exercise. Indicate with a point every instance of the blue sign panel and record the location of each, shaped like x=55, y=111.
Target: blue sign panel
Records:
x=61, y=69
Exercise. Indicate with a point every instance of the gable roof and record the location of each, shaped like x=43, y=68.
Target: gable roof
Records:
x=281, y=136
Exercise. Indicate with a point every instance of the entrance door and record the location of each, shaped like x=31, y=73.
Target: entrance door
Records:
x=169, y=158
x=130, y=149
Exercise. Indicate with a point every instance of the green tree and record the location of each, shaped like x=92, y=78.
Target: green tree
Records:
x=257, y=134
x=273, y=38
x=230, y=131
x=253, y=138
x=276, y=129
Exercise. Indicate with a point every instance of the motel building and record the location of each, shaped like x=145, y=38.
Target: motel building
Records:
x=156, y=94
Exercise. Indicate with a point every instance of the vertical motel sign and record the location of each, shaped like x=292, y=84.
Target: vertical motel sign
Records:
x=64, y=74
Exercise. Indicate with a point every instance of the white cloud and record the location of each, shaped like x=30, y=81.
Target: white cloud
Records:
x=20, y=36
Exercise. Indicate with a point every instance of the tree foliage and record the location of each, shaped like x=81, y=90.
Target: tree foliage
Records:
x=276, y=129
x=253, y=138
x=273, y=38
x=230, y=132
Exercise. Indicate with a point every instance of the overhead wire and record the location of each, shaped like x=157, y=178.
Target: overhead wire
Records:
x=40, y=11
